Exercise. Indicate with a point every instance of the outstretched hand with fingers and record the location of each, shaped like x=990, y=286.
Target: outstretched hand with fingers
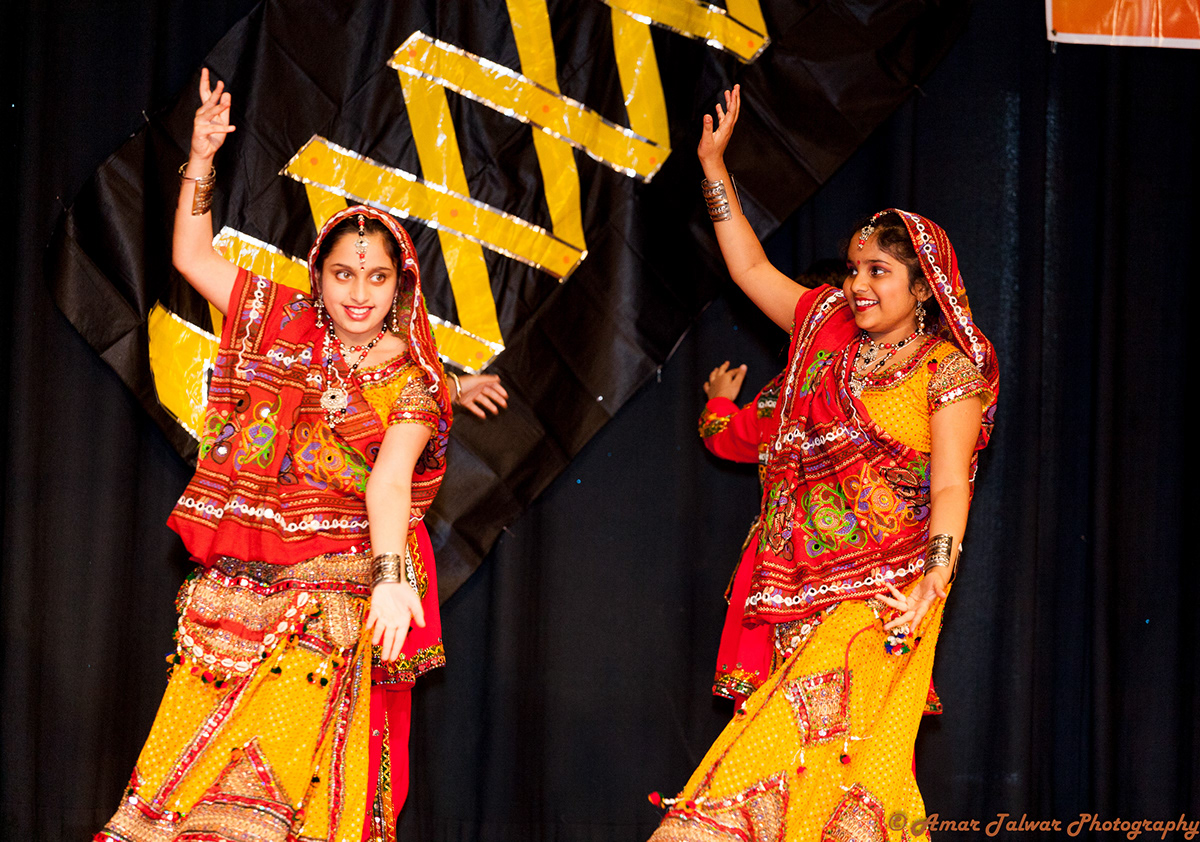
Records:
x=481, y=394
x=211, y=123
x=725, y=382
x=715, y=137
x=916, y=605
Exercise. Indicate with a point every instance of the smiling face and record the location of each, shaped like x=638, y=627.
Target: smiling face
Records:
x=358, y=294
x=880, y=292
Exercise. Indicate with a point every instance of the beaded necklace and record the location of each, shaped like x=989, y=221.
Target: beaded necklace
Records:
x=868, y=360
x=336, y=398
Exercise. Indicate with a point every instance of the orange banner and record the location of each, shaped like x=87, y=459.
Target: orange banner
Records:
x=1132, y=23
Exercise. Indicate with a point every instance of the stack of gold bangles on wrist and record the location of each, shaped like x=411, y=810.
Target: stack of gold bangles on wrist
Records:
x=941, y=553
x=717, y=199
x=202, y=200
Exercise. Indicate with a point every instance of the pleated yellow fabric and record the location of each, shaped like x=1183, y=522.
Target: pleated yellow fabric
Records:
x=823, y=750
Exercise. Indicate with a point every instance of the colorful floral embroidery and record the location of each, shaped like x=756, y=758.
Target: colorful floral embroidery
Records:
x=911, y=484
x=776, y=533
x=219, y=430
x=324, y=461
x=257, y=443
x=876, y=505
x=829, y=524
x=820, y=360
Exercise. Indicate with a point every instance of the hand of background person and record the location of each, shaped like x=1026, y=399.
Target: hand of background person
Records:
x=394, y=607
x=481, y=394
x=916, y=605
x=714, y=140
x=725, y=382
x=211, y=123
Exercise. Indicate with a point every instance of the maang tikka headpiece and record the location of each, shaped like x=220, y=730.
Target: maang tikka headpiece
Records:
x=865, y=235
x=868, y=230
x=360, y=245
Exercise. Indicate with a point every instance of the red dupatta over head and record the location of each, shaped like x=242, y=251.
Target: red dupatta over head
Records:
x=412, y=315
x=845, y=506
x=274, y=481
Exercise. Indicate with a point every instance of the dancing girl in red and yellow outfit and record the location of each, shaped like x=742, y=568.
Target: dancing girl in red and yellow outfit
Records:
x=315, y=606
x=888, y=394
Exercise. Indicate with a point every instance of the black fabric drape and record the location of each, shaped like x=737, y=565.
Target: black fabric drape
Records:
x=573, y=352
x=580, y=654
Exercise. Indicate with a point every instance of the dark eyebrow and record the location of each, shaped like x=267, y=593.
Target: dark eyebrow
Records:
x=374, y=269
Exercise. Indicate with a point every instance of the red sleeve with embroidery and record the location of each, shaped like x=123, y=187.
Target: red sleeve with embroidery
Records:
x=729, y=432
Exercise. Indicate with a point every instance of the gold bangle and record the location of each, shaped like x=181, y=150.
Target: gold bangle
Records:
x=202, y=198
x=212, y=174
x=457, y=387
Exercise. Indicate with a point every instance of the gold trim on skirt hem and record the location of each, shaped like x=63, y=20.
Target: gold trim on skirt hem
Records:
x=824, y=749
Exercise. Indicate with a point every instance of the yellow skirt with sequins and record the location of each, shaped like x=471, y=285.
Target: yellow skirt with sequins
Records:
x=824, y=749
x=263, y=730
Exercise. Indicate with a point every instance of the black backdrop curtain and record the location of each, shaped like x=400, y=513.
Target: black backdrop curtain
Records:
x=581, y=652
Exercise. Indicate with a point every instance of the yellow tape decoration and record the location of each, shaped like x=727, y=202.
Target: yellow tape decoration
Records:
x=556, y=158
x=181, y=355
x=741, y=30
x=637, y=65
x=748, y=12
x=469, y=352
x=323, y=204
x=403, y=194
x=518, y=96
x=437, y=147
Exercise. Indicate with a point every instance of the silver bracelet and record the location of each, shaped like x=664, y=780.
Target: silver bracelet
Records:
x=940, y=552
x=387, y=567
x=717, y=199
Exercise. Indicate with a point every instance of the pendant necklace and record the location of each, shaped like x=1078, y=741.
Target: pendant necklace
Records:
x=868, y=359
x=336, y=397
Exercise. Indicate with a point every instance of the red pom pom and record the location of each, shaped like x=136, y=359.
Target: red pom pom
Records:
x=845, y=758
x=800, y=770
x=691, y=805
x=655, y=799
